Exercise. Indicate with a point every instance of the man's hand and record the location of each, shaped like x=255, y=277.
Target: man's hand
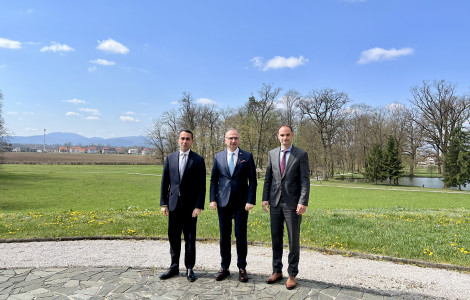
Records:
x=248, y=206
x=164, y=210
x=213, y=205
x=266, y=206
x=196, y=212
x=301, y=209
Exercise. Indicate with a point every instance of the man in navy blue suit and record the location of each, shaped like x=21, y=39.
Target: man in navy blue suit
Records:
x=233, y=194
x=183, y=193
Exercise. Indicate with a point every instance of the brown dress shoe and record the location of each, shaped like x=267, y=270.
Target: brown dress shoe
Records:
x=242, y=276
x=290, y=284
x=222, y=274
x=275, y=277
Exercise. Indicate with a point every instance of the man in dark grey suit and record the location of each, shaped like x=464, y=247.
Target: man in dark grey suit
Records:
x=183, y=193
x=233, y=194
x=285, y=194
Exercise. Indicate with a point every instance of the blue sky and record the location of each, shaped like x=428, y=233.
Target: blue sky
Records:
x=107, y=68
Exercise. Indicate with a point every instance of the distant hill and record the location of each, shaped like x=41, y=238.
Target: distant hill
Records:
x=60, y=138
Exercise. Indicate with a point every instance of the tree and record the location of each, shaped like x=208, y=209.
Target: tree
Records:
x=439, y=111
x=457, y=160
x=262, y=111
x=3, y=129
x=375, y=168
x=392, y=161
x=290, y=107
x=325, y=109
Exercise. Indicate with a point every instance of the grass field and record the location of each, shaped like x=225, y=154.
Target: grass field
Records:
x=98, y=200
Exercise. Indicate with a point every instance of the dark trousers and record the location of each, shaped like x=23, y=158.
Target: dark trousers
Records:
x=181, y=220
x=240, y=216
x=279, y=215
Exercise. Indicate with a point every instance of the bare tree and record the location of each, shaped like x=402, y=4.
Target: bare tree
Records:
x=157, y=136
x=290, y=108
x=262, y=112
x=3, y=129
x=325, y=109
x=438, y=112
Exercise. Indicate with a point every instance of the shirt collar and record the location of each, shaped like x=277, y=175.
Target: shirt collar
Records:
x=236, y=152
x=187, y=152
x=288, y=149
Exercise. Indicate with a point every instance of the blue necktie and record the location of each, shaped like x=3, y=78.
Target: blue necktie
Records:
x=231, y=164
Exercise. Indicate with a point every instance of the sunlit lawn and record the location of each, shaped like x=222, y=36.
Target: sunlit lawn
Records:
x=58, y=201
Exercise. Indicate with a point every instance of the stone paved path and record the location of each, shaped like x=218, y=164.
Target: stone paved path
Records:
x=144, y=283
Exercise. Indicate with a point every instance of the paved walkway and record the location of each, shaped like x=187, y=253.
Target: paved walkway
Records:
x=144, y=283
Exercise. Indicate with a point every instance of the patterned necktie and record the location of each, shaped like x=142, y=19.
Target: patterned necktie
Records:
x=231, y=164
x=182, y=165
x=283, y=162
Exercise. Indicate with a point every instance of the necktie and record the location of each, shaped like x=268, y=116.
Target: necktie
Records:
x=231, y=164
x=283, y=161
x=182, y=165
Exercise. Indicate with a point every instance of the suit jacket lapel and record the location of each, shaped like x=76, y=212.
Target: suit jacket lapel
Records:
x=224, y=162
x=290, y=160
x=189, y=162
x=276, y=162
x=174, y=164
x=239, y=159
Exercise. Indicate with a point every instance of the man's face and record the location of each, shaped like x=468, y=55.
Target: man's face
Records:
x=232, y=140
x=285, y=136
x=185, y=141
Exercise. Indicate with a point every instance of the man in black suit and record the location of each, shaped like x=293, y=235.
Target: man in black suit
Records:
x=182, y=198
x=285, y=194
x=233, y=193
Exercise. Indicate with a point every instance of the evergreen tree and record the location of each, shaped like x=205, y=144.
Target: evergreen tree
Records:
x=392, y=161
x=457, y=160
x=375, y=168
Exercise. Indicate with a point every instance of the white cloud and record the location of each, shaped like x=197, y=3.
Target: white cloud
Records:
x=174, y=102
x=128, y=119
x=75, y=101
x=92, y=118
x=20, y=113
x=92, y=111
x=92, y=69
x=56, y=47
x=206, y=101
x=111, y=46
x=129, y=113
x=71, y=113
x=278, y=62
x=9, y=44
x=379, y=54
x=103, y=62
x=30, y=129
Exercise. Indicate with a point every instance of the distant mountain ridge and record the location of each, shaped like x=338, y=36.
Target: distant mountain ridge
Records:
x=60, y=138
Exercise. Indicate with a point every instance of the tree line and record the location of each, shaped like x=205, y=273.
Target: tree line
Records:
x=339, y=137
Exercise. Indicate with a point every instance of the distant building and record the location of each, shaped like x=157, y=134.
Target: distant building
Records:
x=63, y=150
x=107, y=150
x=133, y=151
x=75, y=149
x=91, y=150
x=146, y=151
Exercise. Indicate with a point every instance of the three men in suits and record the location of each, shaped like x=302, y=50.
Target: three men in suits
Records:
x=183, y=192
x=285, y=194
x=233, y=194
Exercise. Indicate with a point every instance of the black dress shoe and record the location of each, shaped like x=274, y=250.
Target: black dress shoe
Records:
x=170, y=273
x=190, y=275
x=242, y=276
x=222, y=274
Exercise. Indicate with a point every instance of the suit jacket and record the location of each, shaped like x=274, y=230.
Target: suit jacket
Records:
x=294, y=185
x=192, y=187
x=241, y=186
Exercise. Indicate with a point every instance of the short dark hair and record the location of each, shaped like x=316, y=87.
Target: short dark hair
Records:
x=187, y=131
x=288, y=126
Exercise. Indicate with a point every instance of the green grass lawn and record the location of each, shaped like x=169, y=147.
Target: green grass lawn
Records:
x=95, y=200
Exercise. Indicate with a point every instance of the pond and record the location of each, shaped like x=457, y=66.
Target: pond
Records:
x=418, y=182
